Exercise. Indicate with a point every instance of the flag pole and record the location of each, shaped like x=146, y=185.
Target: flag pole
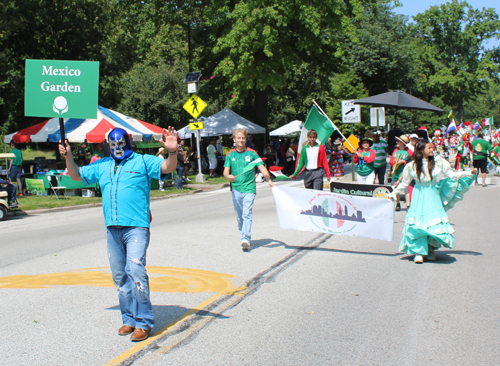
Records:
x=333, y=124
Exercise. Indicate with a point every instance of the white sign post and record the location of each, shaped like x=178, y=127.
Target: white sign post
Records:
x=377, y=116
x=351, y=113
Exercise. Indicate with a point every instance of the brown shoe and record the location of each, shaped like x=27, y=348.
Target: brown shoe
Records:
x=140, y=334
x=125, y=330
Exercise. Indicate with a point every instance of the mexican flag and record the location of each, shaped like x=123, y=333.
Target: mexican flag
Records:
x=276, y=171
x=320, y=123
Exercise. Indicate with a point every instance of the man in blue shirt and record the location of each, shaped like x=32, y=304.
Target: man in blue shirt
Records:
x=125, y=181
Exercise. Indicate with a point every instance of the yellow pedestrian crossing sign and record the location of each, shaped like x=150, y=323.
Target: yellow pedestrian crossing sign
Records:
x=194, y=106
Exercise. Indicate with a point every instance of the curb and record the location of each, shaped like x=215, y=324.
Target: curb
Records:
x=88, y=205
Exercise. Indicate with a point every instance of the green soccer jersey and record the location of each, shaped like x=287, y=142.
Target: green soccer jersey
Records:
x=401, y=155
x=495, y=155
x=237, y=162
x=18, y=160
x=480, y=149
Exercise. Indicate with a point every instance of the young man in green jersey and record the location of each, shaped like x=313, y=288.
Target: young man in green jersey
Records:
x=243, y=182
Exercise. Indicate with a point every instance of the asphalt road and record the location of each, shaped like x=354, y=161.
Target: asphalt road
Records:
x=297, y=298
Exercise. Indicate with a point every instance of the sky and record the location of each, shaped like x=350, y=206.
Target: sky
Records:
x=413, y=7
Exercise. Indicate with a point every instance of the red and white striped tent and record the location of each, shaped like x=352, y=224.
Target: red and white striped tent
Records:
x=88, y=130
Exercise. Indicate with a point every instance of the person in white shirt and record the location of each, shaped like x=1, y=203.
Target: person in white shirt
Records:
x=413, y=142
x=212, y=158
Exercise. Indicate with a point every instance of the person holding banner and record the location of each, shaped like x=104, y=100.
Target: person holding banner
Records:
x=125, y=181
x=239, y=170
x=426, y=225
x=313, y=159
x=365, y=158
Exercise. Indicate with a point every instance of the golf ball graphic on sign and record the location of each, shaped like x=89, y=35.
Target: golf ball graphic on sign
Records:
x=60, y=105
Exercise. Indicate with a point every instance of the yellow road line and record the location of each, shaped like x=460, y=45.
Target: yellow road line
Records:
x=234, y=296
x=143, y=344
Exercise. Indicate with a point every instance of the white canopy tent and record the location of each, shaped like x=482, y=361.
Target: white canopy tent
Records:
x=223, y=123
x=292, y=127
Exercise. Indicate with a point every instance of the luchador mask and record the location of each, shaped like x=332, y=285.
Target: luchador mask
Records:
x=119, y=143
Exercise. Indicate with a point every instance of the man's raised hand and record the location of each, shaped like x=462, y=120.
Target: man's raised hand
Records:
x=170, y=139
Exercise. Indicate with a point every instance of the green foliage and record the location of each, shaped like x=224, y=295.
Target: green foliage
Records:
x=454, y=63
x=382, y=58
x=263, y=43
x=267, y=60
x=485, y=105
x=38, y=29
x=154, y=94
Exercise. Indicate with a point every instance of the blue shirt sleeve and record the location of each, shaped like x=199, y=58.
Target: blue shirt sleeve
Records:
x=153, y=164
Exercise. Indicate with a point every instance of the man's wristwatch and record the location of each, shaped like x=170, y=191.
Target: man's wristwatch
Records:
x=173, y=153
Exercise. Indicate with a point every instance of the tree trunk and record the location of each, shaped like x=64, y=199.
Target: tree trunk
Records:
x=460, y=106
x=261, y=108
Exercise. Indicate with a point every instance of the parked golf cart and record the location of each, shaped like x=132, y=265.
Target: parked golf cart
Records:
x=4, y=206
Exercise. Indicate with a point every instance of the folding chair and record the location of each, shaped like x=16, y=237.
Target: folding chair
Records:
x=56, y=188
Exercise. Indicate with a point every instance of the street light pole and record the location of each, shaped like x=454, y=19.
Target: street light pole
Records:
x=200, y=177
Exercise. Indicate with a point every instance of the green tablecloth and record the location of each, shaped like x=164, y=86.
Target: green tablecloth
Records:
x=66, y=181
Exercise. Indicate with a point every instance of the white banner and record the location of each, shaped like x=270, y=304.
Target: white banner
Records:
x=339, y=214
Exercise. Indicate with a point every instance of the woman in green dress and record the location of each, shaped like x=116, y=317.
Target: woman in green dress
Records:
x=427, y=226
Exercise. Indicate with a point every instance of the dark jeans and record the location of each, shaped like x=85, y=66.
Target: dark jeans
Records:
x=11, y=191
x=380, y=174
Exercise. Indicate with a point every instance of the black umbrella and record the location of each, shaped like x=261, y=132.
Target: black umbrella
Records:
x=398, y=99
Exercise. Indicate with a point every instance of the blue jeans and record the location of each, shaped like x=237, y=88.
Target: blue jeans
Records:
x=180, y=171
x=127, y=247
x=15, y=172
x=243, y=204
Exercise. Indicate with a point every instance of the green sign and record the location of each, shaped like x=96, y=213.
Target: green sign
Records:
x=66, y=89
x=35, y=186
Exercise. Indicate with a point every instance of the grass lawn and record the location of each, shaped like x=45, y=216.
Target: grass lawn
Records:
x=30, y=155
x=29, y=202
x=218, y=179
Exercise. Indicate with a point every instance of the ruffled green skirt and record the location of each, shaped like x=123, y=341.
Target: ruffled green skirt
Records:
x=426, y=221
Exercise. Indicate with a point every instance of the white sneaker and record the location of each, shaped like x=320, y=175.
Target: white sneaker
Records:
x=187, y=179
x=161, y=189
x=245, y=245
x=418, y=259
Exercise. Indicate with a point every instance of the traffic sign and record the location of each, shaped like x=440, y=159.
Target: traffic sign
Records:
x=351, y=113
x=354, y=142
x=64, y=89
x=194, y=106
x=377, y=116
x=196, y=126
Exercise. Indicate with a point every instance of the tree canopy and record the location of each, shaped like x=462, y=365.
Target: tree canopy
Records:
x=265, y=59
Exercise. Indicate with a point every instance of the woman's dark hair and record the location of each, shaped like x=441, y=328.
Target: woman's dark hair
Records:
x=418, y=156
